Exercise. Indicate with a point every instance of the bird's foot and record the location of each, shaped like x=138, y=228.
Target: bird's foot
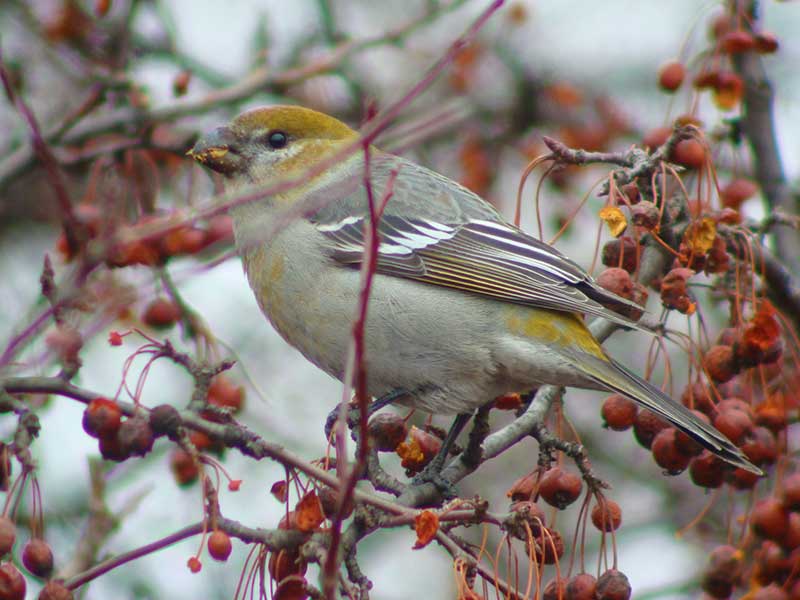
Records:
x=433, y=474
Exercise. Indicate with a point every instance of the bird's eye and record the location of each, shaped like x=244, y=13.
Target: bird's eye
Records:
x=277, y=139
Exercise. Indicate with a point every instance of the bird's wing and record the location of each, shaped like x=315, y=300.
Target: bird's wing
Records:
x=457, y=240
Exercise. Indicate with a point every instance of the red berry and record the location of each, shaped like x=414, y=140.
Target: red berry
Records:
x=607, y=515
x=12, y=583
x=736, y=42
x=736, y=192
x=646, y=426
x=766, y=43
x=219, y=545
x=8, y=534
x=55, y=590
x=769, y=519
x=791, y=492
x=184, y=468
x=707, y=470
x=656, y=137
x=225, y=393
x=581, y=587
x=618, y=412
x=38, y=557
x=720, y=363
x=161, y=313
x=560, y=488
x=102, y=418
x=690, y=153
x=194, y=564
x=671, y=75
x=666, y=453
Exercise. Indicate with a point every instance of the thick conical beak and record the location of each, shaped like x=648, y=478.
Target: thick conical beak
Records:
x=218, y=151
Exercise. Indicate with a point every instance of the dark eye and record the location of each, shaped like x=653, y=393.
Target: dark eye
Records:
x=277, y=139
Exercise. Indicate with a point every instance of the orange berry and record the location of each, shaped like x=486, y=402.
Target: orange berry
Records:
x=219, y=545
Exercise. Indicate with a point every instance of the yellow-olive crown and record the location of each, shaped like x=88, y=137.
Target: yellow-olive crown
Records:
x=271, y=141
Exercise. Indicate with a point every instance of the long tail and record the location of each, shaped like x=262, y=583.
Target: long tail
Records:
x=612, y=375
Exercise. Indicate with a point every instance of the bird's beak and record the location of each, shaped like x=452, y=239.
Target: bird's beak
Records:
x=218, y=151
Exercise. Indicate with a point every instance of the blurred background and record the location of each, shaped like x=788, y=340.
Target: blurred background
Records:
x=580, y=71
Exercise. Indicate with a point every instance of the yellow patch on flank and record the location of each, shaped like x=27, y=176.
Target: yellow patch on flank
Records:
x=556, y=328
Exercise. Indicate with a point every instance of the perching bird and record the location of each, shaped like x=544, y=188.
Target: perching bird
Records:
x=464, y=306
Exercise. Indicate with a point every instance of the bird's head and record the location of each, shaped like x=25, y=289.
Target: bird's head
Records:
x=271, y=142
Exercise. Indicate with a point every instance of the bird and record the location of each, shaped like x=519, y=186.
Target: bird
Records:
x=464, y=306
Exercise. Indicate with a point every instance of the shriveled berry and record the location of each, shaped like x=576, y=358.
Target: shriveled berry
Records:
x=707, y=470
x=285, y=563
x=527, y=512
x=613, y=585
x=8, y=534
x=112, y=449
x=329, y=500
x=666, y=453
x=582, y=586
x=418, y=449
x=161, y=313
x=556, y=589
x=607, y=515
x=55, y=590
x=387, y=430
x=548, y=546
x=524, y=487
x=135, y=436
x=38, y=557
x=219, y=545
x=165, y=420
x=617, y=281
x=102, y=417
x=12, y=583
x=560, y=488
x=622, y=252
x=769, y=519
x=646, y=426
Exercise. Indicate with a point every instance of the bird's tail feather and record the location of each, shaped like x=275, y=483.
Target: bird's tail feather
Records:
x=615, y=377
